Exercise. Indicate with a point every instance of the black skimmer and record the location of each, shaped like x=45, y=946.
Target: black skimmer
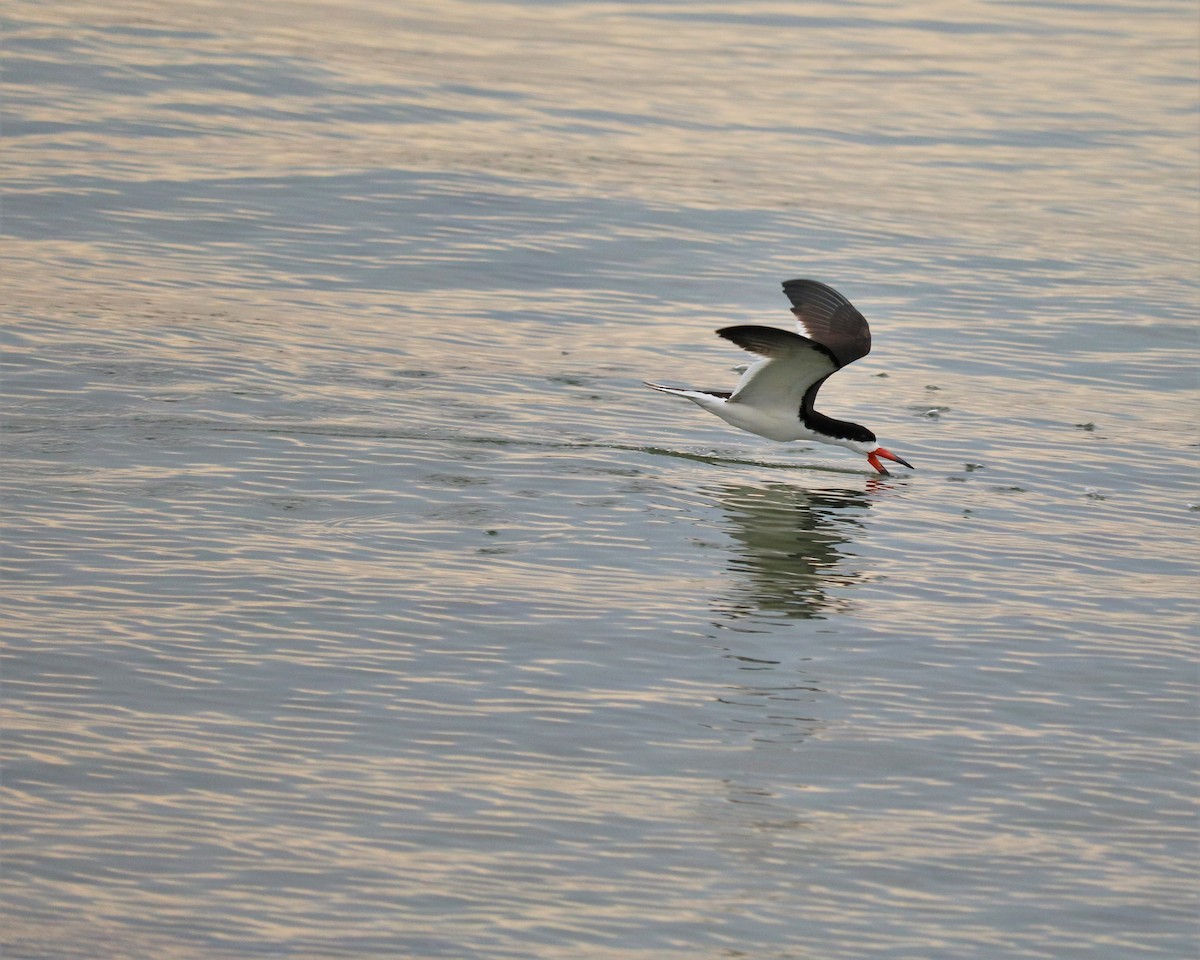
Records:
x=775, y=397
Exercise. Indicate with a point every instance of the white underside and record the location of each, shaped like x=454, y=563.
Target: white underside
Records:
x=774, y=424
x=767, y=398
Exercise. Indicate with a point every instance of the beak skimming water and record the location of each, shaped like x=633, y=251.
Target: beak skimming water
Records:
x=873, y=460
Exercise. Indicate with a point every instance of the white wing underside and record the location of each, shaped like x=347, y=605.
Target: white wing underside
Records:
x=778, y=384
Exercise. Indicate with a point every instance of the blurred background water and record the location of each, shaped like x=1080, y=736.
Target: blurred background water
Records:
x=359, y=602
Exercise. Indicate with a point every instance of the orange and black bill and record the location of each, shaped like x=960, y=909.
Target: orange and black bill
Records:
x=873, y=460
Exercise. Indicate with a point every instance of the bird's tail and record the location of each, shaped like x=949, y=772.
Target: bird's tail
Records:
x=706, y=398
x=662, y=388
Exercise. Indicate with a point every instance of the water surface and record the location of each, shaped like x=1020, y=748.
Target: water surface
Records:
x=359, y=602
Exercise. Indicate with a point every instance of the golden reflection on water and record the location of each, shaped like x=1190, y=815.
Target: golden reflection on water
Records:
x=768, y=107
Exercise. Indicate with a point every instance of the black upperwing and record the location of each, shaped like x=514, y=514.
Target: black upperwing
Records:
x=828, y=318
x=790, y=367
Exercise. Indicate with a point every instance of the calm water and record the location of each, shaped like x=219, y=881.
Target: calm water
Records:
x=359, y=602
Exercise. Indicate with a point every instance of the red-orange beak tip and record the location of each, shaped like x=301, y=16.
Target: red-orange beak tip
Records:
x=887, y=455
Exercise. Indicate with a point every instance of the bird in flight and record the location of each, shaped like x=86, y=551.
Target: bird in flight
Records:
x=775, y=396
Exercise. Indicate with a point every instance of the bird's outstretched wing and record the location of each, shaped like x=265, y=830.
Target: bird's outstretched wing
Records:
x=827, y=317
x=790, y=365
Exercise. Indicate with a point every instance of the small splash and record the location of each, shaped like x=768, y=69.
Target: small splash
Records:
x=455, y=480
x=1093, y=493
x=414, y=374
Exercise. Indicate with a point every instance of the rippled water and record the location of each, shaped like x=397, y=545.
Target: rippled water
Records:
x=361, y=603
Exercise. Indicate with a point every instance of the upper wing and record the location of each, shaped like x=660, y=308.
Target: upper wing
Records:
x=790, y=366
x=830, y=319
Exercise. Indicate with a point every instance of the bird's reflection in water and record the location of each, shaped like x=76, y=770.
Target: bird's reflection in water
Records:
x=789, y=548
x=788, y=561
